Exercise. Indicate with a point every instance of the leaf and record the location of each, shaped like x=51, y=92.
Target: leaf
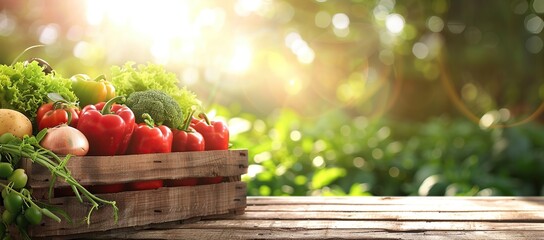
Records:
x=326, y=176
x=41, y=134
x=55, y=97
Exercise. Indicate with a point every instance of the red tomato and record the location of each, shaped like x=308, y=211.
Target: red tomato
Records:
x=54, y=114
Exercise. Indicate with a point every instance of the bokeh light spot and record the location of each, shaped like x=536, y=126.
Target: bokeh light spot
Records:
x=323, y=19
x=534, y=44
x=469, y=92
x=456, y=27
x=534, y=24
x=82, y=50
x=521, y=7
x=295, y=135
x=318, y=161
x=7, y=24
x=359, y=162
x=49, y=33
x=394, y=172
x=377, y=153
x=394, y=23
x=340, y=21
x=420, y=50
x=435, y=24
x=538, y=6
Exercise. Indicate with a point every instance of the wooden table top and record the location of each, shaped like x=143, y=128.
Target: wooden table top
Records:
x=365, y=218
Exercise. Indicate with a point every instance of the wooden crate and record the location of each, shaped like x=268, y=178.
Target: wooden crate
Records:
x=146, y=207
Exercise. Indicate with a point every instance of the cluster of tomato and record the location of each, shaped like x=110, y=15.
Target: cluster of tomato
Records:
x=110, y=129
x=17, y=209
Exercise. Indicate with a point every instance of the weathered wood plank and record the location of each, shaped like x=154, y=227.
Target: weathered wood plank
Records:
x=396, y=226
x=364, y=218
x=198, y=234
x=91, y=170
x=514, y=215
x=139, y=208
x=465, y=207
x=412, y=200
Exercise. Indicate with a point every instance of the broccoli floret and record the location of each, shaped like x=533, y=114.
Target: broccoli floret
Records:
x=160, y=106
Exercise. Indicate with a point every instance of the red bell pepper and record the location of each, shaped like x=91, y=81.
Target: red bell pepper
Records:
x=190, y=181
x=107, y=126
x=57, y=112
x=148, y=138
x=144, y=185
x=215, y=133
x=187, y=139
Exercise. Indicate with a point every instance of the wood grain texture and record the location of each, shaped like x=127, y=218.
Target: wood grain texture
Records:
x=364, y=218
x=140, y=208
x=90, y=170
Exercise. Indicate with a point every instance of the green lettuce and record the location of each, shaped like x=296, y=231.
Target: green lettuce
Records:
x=25, y=88
x=128, y=79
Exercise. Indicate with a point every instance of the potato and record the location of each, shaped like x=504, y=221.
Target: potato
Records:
x=14, y=122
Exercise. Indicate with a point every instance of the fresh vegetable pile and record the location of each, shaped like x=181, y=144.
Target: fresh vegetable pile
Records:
x=47, y=118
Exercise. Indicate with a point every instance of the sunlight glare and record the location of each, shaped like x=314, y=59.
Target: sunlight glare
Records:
x=293, y=86
x=159, y=23
x=246, y=7
x=161, y=51
x=241, y=59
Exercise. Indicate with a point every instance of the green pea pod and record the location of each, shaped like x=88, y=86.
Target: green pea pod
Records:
x=49, y=214
x=7, y=138
x=92, y=91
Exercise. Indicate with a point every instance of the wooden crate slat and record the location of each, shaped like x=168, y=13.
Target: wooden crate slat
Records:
x=91, y=170
x=140, y=208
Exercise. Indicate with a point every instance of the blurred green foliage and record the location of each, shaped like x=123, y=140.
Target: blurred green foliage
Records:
x=340, y=154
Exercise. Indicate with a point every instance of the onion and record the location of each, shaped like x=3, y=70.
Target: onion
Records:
x=64, y=140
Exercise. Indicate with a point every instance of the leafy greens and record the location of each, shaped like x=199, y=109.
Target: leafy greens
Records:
x=25, y=88
x=128, y=79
